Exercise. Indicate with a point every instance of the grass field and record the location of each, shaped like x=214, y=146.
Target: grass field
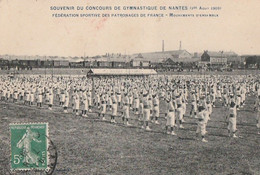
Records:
x=92, y=146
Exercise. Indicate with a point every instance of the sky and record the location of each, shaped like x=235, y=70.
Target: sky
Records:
x=28, y=28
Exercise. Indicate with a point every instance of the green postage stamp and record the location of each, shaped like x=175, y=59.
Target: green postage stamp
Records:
x=29, y=146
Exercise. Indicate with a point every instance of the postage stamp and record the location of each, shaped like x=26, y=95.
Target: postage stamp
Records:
x=29, y=146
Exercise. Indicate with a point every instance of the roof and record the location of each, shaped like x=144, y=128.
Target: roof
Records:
x=158, y=56
x=176, y=52
x=33, y=58
x=122, y=72
x=109, y=59
x=76, y=59
x=250, y=55
x=185, y=60
x=139, y=60
x=153, y=57
x=221, y=54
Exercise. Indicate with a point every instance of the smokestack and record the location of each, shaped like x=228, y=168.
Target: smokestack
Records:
x=180, y=46
x=162, y=45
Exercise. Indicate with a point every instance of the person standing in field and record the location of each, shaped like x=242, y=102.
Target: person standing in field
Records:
x=11, y=90
x=136, y=102
x=27, y=97
x=208, y=107
x=213, y=96
x=39, y=98
x=150, y=104
x=103, y=106
x=21, y=94
x=50, y=99
x=8, y=94
x=109, y=101
x=58, y=94
x=225, y=97
x=119, y=97
x=114, y=107
x=66, y=103
x=31, y=97
x=232, y=120
x=89, y=95
x=146, y=112
x=156, y=109
x=96, y=99
x=15, y=96
x=201, y=127
x=141, y=107
x=184, y=107
x=126, y=111
x=131, y=99
x=170, y=116
x=179, y=111
x=85, y=107
x=243, y=95
x=62, y=98
x=238, y=98
x=76, y=103
x=4, y=91
x=193, y=112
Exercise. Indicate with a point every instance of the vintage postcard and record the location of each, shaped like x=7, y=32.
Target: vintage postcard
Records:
x=129, y=87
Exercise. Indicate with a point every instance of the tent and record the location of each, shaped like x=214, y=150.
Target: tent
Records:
x=121, y=72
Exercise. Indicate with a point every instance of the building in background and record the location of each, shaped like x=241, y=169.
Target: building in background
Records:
x=221, y=59
x=251, y=61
